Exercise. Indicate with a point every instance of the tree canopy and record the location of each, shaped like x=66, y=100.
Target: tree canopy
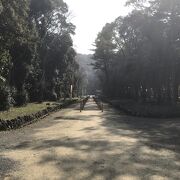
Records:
x=37, y=59
x=139, y=54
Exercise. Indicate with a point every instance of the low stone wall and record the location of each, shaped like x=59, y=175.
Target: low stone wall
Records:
x=83, y=103
x=19, y=122
x=99, y=103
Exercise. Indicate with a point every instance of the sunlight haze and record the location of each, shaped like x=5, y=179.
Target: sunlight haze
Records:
x=90, y=16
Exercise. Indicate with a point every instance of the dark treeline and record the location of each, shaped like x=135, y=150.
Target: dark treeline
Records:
x=138, y=56
x=37, y=60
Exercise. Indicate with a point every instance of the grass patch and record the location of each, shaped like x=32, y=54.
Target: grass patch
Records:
x=26, y=110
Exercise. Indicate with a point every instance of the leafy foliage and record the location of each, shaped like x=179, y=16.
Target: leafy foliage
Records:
x=139, y=54
x=5, y=98
x=36, y=50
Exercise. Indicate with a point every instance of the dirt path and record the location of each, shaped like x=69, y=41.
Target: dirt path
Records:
x=70, y=145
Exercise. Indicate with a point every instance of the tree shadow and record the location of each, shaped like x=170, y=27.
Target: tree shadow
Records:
x=7, y=165
x=89, y=129
x=106, y=159
x=79, y=117
x=65, y=118
x=155, y=133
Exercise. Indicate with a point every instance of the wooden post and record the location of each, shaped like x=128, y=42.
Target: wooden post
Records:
x=71, y=92
x=80, y=106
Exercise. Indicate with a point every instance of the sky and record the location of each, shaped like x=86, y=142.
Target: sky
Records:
x=90, y=16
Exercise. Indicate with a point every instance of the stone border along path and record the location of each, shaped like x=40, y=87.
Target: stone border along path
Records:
x=22, y=121
x=96, y=101
x=83, y=103
x=99, y=103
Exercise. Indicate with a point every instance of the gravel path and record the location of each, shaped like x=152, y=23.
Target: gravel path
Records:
x=69, y=145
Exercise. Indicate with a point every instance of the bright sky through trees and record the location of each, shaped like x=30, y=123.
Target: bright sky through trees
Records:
x=90, y=16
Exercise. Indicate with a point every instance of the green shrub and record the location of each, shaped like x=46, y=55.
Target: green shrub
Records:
x=21, y=98
x=50, y=95
x=53, y=96
x=5, y=98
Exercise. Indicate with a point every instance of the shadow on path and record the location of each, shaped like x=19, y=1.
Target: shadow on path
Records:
x=7, y=165
x=110, y=145
x=155, y=133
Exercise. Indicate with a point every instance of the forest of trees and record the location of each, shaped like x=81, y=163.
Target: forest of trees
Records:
x=89, y=83
x=138, y=56
x=37, y=59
